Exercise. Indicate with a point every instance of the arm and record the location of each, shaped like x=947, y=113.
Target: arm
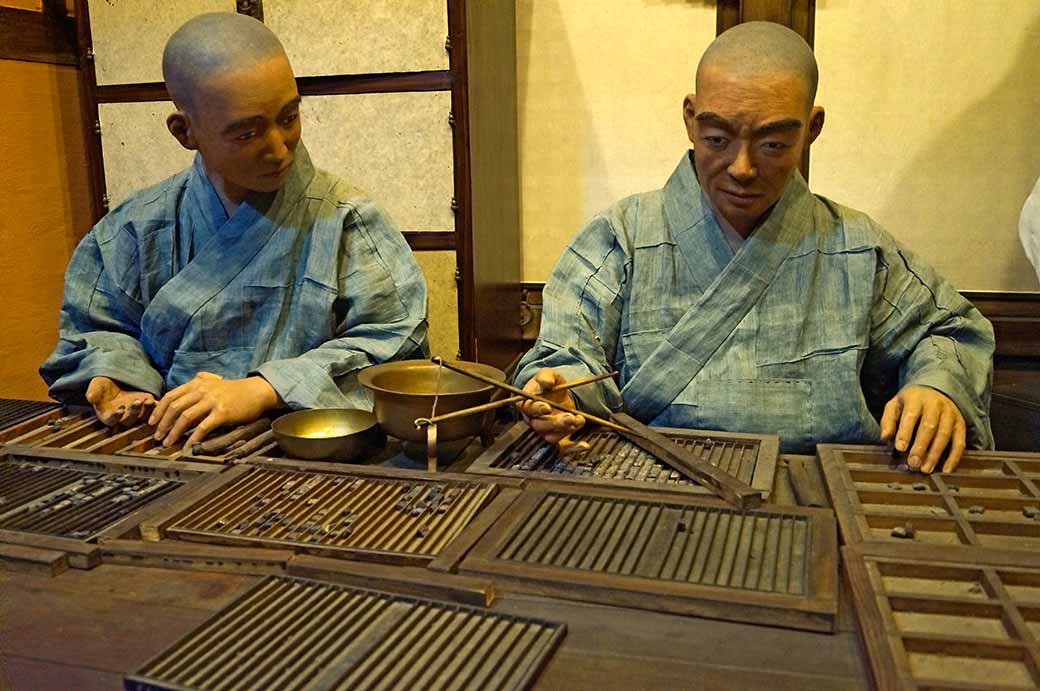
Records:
x=99, y=324
x=579, y=332
x=936, y=341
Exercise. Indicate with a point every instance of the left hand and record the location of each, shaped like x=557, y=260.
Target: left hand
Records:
x=938, y=422
x=209, y=401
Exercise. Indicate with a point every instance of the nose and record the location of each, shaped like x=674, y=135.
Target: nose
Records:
x=277, y=148
x=742, y=168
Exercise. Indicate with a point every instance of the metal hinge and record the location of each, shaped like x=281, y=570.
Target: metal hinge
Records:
x=458, y=275
x=89, y=55
x=104, y=200
x=451, y=119
x=97, y=127
x=454, y=204
x=447, y=43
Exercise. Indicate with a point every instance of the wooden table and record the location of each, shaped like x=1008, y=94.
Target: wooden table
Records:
x=87, y=629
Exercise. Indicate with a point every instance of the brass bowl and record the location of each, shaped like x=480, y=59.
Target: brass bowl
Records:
x=404, y=390
x=339, y=434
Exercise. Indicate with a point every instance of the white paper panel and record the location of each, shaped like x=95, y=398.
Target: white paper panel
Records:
x=138, y=149
x=439, y=269
x=129, y=35
x=395, y=147
x=336, y=37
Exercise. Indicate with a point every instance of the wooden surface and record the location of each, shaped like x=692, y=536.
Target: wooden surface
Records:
x=111, y=620
x=37, y=37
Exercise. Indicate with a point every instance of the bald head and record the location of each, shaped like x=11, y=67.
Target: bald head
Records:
x=755, y=49
x=212, y=43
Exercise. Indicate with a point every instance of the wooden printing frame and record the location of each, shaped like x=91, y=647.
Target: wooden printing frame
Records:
x=885, y=641
x=159, y=526
x=853, y=519
x=815, y=611
x=323, y=680
x=111, y=444
x=85, y=554
x=762, y=479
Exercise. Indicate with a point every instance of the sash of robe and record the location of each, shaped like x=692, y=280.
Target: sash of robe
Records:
x=729, y=295
x=231, y=247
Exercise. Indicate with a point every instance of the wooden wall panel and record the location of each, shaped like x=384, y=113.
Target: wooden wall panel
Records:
x=439, y=269
x=395, y=147
x=360, y=36
x=139, y=151
x=129, y=37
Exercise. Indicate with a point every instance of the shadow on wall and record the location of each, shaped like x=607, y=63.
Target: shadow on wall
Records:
x=977, y=170
x=556, y=117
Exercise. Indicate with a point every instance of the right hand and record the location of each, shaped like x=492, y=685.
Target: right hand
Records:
x=114, y=406
x=554, y=426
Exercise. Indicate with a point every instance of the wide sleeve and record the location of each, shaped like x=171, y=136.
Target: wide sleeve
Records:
x=100, y=322
x=381, y=316
x=924, y=330
x=1029, y=228
x=582, y=307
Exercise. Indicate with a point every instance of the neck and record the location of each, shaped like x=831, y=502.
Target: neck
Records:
x=231, y=196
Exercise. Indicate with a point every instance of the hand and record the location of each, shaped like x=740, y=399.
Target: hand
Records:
x=209, y=401
x=114, y=406
x=939, y=425
x=554, y=426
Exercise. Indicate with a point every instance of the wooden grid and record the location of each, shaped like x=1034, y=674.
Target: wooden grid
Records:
x=66, y=501
x=614, y=461
x=291, y=633
x=687, y=555
x=412, y=520
x=930, y=624
x=991, y=503
x=80, y=430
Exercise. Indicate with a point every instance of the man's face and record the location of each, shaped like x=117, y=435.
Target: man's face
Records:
x=748, y=136
x=246, y=125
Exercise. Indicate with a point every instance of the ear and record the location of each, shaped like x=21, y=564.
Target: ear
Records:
x=689, y=113
x=179, y=125
x=816, y=118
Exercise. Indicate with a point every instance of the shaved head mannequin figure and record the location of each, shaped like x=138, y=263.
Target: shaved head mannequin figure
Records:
x=237, y=103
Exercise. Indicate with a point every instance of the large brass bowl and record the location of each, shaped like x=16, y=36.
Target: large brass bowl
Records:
x=339, y=434
x=404, y=391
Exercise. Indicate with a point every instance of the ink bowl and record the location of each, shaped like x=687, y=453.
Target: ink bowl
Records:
x=338, y=434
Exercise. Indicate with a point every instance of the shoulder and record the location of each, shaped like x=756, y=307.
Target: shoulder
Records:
x=143, y=210
x=622, y=227
x=346, y=205
x=841, y=228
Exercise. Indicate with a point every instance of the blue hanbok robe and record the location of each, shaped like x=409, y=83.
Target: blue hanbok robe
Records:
x=806, y=331
x=304, y=287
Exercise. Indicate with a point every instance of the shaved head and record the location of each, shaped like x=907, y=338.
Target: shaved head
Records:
x=212, y=43
x=755, y=49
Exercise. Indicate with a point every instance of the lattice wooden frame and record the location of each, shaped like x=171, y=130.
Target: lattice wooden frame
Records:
x=760, y=477
x=964, y=626
x=873, y=496
x=814, y=609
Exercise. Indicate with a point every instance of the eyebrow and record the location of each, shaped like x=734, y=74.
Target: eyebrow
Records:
x=247, y=123
x=716, y=120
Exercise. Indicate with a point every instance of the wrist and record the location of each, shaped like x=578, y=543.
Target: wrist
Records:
x=264, y=394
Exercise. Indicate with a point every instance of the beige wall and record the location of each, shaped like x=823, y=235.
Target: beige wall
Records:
x=44, y=211
x=933, y=110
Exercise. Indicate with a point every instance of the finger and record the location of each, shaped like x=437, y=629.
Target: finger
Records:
x=208, y=375
x=940, y=441
x=166, y=401
x=890, y=418
x=907, y=421
x=173, y=412
x=130, y=413
x=957, y=445
x=560, y=422
x=186, y=420
x=926, y=426
x=202, y=430
x=108, y=415
x=569, y=447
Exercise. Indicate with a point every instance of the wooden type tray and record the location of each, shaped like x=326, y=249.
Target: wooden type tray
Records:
x=81, y=430
x=685, y=555
x=67, y=501
x=932, y=625
x=990, y=504
x=616, y=462
x=416, y=519
x=13, y=411
x=295, y=634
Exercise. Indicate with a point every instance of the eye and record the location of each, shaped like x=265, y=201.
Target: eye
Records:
x=289, y=119
x=246, y=136
x=775, y=147
x=716, y=142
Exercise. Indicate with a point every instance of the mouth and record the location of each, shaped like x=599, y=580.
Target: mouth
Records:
x=740, y=198
x=281, y=172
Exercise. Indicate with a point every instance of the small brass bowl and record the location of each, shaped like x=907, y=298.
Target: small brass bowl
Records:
x=339, y=434
x=404, y=390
